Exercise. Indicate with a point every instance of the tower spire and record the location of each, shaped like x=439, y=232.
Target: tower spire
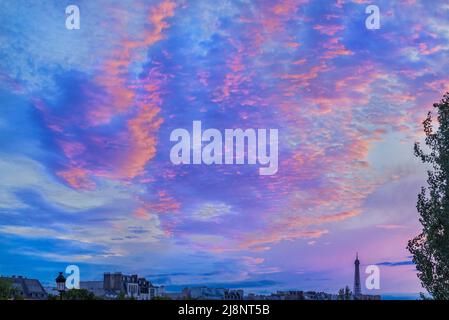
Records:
x=357, y=286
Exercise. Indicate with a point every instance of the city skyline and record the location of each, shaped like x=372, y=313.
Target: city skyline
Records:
x=87, y=115
x=117, y=285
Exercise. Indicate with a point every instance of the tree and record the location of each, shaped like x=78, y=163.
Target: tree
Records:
x=344, y=293
x=341, y=294
x=430, y=248
x=6, y=289
x=78, y=294
x=52, y=297
x=348, y=293
x=121, y=296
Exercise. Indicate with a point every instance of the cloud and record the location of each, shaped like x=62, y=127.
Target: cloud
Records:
x=391, y=226
x=211, y=211
x=22, y=173
x=111, y=235
x=396, y=263
x=84, y=136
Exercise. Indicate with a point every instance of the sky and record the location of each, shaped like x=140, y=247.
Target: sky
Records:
x=86, y=117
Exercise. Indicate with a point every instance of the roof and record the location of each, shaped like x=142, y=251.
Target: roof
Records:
x=60, y=278
x=28, y=288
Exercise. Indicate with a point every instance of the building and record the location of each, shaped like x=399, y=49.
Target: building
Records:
x=294, y=295
x=96, y=287
x=204, y=293
x=233, y=294
x=287, y=295
x=113, y=282
x=131, y=286
x=207, y=293
x=313, y=295
x=30, y=289
x=253, y=296
x=157, y=291
x=174, y=295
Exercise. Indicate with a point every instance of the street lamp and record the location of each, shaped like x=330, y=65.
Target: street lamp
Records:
x=60, y=284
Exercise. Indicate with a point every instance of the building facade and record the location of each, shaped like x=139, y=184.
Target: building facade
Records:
x=96, y=287
x=207, y=293
x=131, y=286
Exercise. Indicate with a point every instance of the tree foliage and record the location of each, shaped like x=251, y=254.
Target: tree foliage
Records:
x=430, y=248
x=78, y=294
x=344, y=293
x=6, y=290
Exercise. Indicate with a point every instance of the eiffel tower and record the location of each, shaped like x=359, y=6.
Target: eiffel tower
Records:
x=357, y=287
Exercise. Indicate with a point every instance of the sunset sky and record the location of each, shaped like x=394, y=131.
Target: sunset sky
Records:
x=86, y=116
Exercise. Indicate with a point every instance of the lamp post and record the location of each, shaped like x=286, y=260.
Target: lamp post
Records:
x=60, y=284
